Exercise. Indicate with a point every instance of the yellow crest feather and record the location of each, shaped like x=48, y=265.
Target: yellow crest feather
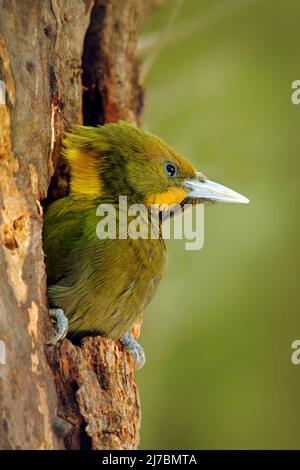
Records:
x=85, y=176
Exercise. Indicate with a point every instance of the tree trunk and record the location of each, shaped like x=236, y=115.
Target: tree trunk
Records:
x=51, y=54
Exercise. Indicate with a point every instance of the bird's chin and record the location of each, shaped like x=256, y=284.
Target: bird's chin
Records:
x=186, y=204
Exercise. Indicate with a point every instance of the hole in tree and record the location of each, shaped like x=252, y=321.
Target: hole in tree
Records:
x=92, y=105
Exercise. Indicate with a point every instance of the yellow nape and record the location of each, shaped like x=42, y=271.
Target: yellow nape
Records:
x=167, y=198
x=85, y=178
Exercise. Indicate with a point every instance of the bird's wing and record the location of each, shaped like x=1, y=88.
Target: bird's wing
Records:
x=63, y=225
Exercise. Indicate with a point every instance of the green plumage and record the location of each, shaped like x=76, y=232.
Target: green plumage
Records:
x=104, y=285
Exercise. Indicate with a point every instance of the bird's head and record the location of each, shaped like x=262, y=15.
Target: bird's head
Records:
x=120, y=159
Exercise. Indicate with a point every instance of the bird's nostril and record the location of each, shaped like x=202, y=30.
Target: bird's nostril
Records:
x=200, y=177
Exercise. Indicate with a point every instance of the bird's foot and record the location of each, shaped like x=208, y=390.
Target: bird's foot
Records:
x=135, y=349
x=61, y=327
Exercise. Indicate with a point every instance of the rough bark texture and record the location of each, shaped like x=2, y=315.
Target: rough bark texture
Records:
x=97, y=395
x=87, y=398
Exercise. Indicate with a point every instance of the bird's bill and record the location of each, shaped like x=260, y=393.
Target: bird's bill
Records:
x=202, y=188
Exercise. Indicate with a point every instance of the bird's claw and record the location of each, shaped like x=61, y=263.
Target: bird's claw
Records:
x=61, y=327
x=135, y=349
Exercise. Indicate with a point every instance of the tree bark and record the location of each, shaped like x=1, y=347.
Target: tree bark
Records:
x=61, y=396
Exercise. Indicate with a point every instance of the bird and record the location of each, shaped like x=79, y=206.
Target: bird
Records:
x=101, y=286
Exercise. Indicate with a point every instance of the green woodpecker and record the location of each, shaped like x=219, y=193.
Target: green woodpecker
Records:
x=101, y=286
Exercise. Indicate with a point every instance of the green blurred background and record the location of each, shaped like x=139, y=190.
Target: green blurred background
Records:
x=218, y=334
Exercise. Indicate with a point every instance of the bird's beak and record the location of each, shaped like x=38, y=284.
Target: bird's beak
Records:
x=202, y=188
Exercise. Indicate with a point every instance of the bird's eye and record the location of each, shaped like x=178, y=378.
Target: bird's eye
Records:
x=171, y=169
